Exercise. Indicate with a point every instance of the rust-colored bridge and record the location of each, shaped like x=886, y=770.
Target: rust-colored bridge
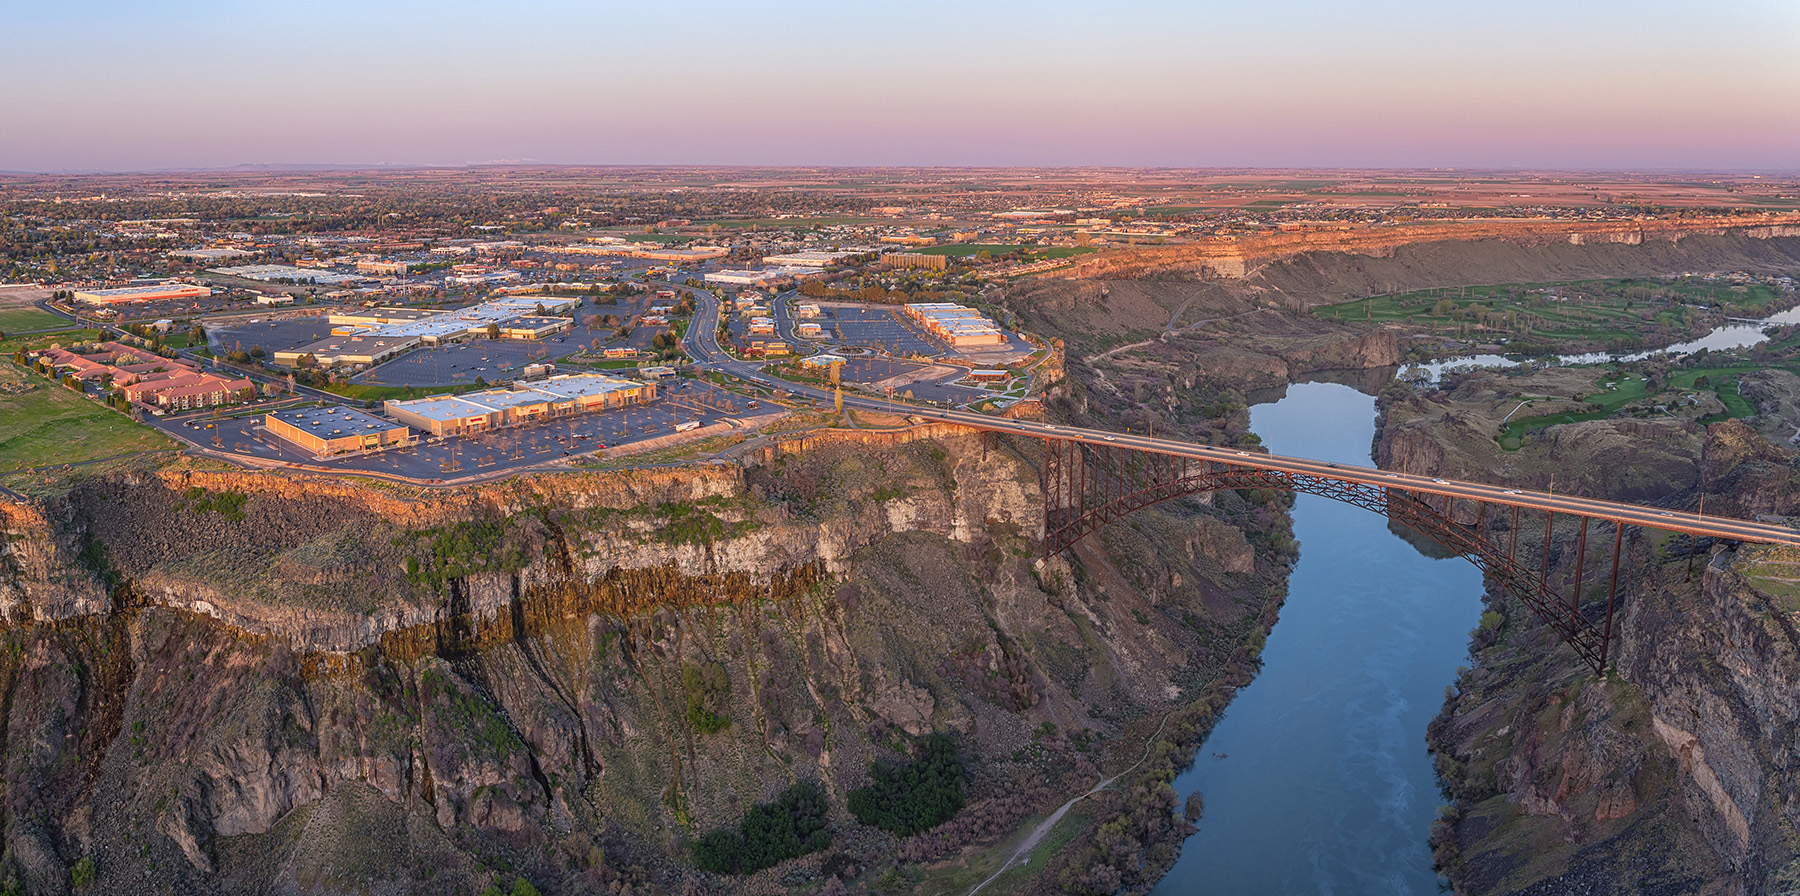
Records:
x=1090, y=478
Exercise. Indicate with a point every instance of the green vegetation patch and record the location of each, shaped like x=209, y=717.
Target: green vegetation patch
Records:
x=15, y=319
x=1621, y=314
x=707, y=688
x=47, y=424
x=36, y=341
x=462, y=549
x=1722, y=381
x=906, y=798
x=1616, y=392
x=791, y=826
x=689, y=524
x=228, y=504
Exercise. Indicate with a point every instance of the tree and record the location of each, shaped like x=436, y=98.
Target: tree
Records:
x=904, y=799
x=493, y=331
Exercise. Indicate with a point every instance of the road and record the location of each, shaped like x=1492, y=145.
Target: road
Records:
x=703, y=344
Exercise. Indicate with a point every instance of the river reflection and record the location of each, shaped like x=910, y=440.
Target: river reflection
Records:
x=1316, y=780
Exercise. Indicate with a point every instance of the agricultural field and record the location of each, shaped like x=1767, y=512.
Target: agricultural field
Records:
x=47, y=424
x=1614, y=315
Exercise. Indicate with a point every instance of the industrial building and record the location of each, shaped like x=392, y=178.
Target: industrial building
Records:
x=746, y=278
x=331, y=431
x=371, y=336
x=809, y=259
x=154, y=292
x=535, y=327
x=336, y=350
x=558, y=396
x=958, y=326
x=271, y=273
x=217, y=253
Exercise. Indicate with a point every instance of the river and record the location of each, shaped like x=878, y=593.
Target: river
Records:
x=1316, y=779
x=1736, y=334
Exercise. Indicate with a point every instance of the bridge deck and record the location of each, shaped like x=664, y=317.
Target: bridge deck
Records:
x=1630, y=514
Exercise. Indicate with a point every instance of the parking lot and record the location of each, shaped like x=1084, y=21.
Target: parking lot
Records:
x=876, y=328
x=495, y=360
x=922, y=380
x=272, y=335
x=683, y=401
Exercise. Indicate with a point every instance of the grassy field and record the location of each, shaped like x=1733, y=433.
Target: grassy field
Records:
x=1721, y=381
x=1616, y=312
x=51, y=425
x=14, y=319
x=1625, y=390
x=44, y=340
x=1775, y=572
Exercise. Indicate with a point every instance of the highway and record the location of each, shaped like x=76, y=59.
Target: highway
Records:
x=703, y=343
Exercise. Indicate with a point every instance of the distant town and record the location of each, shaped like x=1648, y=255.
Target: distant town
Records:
x=292, y=320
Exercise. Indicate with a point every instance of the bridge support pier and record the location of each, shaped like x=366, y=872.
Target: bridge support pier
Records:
x=1085, y=486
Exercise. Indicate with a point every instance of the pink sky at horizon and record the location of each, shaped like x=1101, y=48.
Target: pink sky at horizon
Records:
x=1395, y=84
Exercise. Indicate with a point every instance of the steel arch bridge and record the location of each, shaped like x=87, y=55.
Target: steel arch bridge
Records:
x=1087, y=483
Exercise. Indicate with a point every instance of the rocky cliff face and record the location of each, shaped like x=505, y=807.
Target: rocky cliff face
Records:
x=1676, y=773
x=222, y=682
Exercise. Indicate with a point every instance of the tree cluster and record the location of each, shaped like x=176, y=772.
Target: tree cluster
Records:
x=906, y=798
x=791, y=826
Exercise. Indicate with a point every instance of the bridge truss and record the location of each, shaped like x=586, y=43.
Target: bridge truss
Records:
x=1086, y=486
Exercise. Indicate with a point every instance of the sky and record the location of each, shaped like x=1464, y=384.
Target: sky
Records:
x=129, y=85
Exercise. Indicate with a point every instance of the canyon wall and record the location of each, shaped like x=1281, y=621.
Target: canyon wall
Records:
x=220, y=682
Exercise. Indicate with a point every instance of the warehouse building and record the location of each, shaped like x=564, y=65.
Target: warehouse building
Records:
x=746, y=278
x=809, y=259
x=958, y=326
x=380, y=317
x=346, y=350
x=277, y=273
x=558, y=396
x=535, y=327
x=332, y=431
x=157, y=292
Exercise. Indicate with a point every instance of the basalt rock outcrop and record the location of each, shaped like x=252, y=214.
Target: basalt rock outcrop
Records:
x=1673, y=774
x=221, y=682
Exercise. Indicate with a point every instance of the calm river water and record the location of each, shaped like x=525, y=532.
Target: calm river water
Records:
x=1316, y=780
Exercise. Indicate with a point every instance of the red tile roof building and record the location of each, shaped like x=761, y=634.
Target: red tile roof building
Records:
x=147, y=378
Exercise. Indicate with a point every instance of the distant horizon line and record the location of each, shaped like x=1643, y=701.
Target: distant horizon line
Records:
x=279, y=167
